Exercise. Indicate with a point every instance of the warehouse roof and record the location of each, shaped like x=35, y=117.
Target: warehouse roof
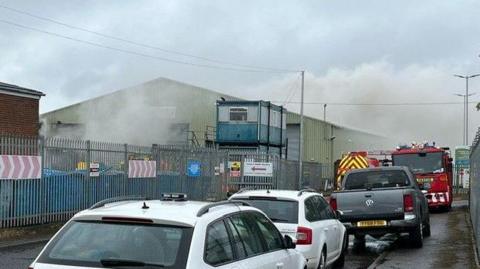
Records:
x=166, y=81
x=20, y=91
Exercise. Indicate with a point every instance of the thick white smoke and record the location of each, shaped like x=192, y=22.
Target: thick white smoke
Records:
x=381, y=82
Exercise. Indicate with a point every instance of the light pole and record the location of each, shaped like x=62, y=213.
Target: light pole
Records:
x=466, y=77
x=464, y=114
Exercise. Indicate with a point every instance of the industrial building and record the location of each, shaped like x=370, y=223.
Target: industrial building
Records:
x=164, y=111
x=19, y=110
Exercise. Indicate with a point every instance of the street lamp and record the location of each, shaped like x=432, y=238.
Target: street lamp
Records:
x=466, y=77
x=464, y=113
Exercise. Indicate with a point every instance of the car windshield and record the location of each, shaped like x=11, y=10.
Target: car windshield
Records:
x=376, y=179
x=277, y=210
x=95, y=243
x=420, y=162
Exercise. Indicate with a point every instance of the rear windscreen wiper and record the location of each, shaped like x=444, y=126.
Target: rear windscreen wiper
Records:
x=132, y=263
x=278, y=220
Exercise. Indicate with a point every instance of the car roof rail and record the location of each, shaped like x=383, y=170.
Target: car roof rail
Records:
x=204, y=209
x=302, y=191
x=118, y=199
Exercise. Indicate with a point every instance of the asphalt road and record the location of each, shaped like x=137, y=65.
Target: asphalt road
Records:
x=450, y=246
x=19, y=257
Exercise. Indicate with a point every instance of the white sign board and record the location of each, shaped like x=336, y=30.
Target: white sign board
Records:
x=258, y=169
x=94, y=169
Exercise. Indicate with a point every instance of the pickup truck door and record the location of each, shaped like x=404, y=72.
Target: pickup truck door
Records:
x=371, y=205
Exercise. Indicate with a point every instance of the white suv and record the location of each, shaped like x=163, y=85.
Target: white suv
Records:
x=305, y=216
x=171, y=233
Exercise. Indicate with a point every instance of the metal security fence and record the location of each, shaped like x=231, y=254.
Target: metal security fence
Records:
x=49, y=180
x=284, y=173
x=67, y=185
x=474, y=186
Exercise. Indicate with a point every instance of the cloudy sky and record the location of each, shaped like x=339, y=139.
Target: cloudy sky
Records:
x=354, y=52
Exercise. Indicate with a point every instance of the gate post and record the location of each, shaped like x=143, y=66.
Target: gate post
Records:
x=43, y=185
x=87, y=171
x=125, y=168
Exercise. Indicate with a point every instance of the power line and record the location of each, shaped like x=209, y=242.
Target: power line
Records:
x=137, y=53
x=291, y=92
x=378, y=104
x=270, y=69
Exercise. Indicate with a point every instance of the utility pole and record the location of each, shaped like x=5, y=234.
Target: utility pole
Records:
x=300, y=150
x=466, y=104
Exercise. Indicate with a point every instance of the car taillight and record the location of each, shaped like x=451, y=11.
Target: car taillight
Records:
x=443, y=178
x=304, y=236
x=333, y=203
x=407, y=203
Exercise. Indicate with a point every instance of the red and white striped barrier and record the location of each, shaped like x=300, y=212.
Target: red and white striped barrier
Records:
x=20, y=167
x=139, y=169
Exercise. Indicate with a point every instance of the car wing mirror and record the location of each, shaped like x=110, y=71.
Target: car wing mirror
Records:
x=289, y=242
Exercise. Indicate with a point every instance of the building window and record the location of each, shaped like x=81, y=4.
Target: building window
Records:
x=238, y=114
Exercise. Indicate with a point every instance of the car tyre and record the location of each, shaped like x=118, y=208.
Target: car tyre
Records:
x=416, y=236
x=340, y=262
x=426, y=229
x=322, y=264
x=359, y=241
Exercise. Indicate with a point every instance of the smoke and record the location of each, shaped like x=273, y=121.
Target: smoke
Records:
x=381, y=82
x=131, y=116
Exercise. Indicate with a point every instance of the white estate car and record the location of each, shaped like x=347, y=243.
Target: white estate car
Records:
x=305, y=216
x=169, y=233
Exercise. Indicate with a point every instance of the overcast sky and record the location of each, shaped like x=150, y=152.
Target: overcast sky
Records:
x=353, y=52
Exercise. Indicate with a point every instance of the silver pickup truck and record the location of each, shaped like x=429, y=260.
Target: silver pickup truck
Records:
x=377, y=201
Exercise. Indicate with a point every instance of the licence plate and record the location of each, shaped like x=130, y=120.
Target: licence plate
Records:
x=424, y=180
x=372, y=223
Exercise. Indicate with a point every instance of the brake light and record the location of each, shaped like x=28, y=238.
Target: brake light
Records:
x=407, y=203
x=443, y=178
x=333, y=203
x=304, y=236
x=127, y=220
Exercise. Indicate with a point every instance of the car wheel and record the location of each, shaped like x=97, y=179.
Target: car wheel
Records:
x=359, y=241
x=359, y=237
x=322, y=264
x=416, y=236
x=426, y=229
x=340, y=262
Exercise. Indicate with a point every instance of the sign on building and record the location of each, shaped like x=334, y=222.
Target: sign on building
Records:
x=235, y=169
x=94, y=169
x=20, y=167
x=142, y=169
x=258, y=169
x=194, y=168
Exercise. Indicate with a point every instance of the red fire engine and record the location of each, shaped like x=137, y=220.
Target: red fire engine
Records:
x=357, y=160
x=432, y=167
